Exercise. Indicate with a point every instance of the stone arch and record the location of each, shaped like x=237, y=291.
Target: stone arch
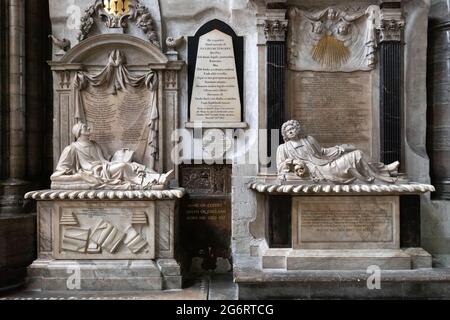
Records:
x=108, y=42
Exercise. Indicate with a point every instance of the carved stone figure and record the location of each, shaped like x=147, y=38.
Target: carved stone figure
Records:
x=302, y=155
x=82, y=165
x=63, y=44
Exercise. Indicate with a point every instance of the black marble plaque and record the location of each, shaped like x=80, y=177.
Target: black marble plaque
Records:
x=215, y=80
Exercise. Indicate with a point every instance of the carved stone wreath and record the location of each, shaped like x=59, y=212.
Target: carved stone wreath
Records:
x=137, y=12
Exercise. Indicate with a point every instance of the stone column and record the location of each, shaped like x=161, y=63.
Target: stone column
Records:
x=391, y=27
x=275, y=27
x=17, y=89
x=15, y=186
x=17, y=229
x=439, y=99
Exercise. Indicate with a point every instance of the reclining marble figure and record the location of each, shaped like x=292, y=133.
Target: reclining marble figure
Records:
x=82, y=165
x=302, y=156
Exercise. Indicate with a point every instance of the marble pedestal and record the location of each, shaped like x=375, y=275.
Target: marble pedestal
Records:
x=338, y=232
x=106, y=240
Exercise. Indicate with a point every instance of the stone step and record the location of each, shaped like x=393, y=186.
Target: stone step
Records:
x=385, y=259
x=347, y=259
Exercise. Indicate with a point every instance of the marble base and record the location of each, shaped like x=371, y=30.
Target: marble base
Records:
x=109, y=240
x=95, y=275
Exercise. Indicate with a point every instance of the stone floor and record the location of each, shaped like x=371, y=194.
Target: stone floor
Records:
x=218, y=287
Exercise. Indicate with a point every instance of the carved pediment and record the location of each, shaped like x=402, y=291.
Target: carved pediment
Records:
x=105, y=43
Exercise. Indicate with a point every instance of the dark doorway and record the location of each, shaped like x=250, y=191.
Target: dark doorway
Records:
x=205, y=219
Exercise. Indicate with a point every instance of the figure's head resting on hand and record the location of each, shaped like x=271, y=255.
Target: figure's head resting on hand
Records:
x=291, y=130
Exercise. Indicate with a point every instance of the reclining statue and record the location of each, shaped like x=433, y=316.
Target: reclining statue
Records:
x=83, y=166
x=302, y=156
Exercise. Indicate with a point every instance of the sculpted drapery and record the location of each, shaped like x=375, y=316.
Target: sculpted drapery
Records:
x=344, y=164
x=82, y=165
x=116, y=77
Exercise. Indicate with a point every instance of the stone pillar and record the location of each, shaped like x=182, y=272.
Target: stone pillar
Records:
x=439, y=99
x=17, y=151
x=15, y=186
x=13, y=227
x=390, y=81
x=275, y=27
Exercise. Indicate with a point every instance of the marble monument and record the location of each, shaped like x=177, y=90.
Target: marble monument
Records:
x=345, y=208
x=113, y=205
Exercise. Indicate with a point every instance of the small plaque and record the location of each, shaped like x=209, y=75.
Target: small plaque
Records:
x=357, y=222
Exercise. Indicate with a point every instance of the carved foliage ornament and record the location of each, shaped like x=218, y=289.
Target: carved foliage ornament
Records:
x=333, y=39
x=136, y=12
x=391, y=30
x=275, y=29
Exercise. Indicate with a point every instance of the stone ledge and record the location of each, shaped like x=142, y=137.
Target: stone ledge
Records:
x=249, y=275
x=409, y=284
x=330, y=189
x=169, y=194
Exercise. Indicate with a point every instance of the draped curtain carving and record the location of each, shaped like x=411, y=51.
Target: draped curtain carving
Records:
x=123, y=106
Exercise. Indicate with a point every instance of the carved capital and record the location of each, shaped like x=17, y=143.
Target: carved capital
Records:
x=391, y=30
x=65, y=79
x=275, y=30
x=391, y=24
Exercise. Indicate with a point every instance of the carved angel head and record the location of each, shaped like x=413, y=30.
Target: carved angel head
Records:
x=343, y=28
x=317, y=27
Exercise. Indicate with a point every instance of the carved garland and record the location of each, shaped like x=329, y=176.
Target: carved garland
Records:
x=137, y=12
